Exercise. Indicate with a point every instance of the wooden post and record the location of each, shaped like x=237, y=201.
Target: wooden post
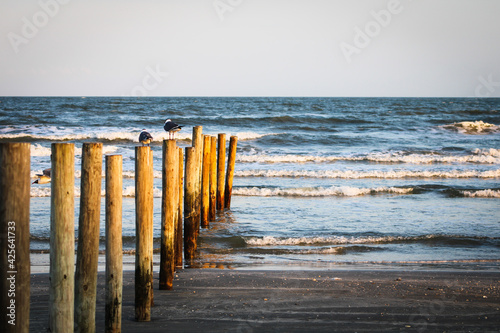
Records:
x=198, y=146
x=62, y=238
x=233, y=142
x=88, y=238
x=15, y=236
x=114, y=254
x=169, y=211
x=221, y=159
x=190, y=233
x=213, y=178
x=144, y=221
x=178, y=230
x=151, y=234
x=205, y=186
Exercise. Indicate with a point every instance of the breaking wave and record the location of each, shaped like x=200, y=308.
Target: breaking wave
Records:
x=318, y=191
x=39, y=150
x=484, y=156
x=482, y=194
x=129, y=191
x=393, y=174
x=342, y=240
x=472, y=127
x=131, y=135
x=478, y=156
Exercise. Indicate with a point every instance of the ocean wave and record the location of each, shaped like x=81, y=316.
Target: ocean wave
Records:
x=487, y=152
x=393, y=174
x=342, y=240
x=480, y=156
x=129, y=135
x=278, y=251
x=318, y=191
x=39, y=150
x=157, y=174
x=488, y=193
x=40, y=192
x=472, y=127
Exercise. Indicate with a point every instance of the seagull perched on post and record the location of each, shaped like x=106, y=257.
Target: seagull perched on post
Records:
x=44, y=178
x=145, y=138
x=171, y=128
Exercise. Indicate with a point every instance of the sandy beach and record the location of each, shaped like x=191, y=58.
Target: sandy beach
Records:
x=381, y=300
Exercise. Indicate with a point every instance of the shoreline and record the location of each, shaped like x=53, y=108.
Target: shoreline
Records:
x=217, y=300
x=40, y=264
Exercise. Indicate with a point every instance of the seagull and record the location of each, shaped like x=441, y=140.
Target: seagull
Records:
x=171, y=128
x=44, y=178
x=145, y=138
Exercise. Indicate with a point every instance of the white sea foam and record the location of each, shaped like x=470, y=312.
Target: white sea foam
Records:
x=131, y=174
x=62, y=134
x=39, y=150
x=473, y=127
x=274, y=241
x=129, y=191
x=243, y=136
x=40, y=192
x=480, y=156
x=482, y=194
x=393, y=174
x=50, y=137
x=487, y=152
x=318, y=191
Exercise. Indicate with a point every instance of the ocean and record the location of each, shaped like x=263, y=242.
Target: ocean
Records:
x=319, y=182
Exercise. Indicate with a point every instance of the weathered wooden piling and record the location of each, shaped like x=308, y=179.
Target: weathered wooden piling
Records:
x=169, y=213
x=151, y=234
x=198, y=146
x=88, y=238
x=205, y=183
x=221, y=159
x=15, y=236
x=62, y=238
x=231, y=160
x=180, y=214
x=144, y=223
x=213, y=178
x=190, y=215
x=114, y=254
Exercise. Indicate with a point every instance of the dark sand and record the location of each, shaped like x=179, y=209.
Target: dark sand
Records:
x=216, y=300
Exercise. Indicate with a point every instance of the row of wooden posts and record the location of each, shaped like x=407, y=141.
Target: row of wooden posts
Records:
x=195, y=192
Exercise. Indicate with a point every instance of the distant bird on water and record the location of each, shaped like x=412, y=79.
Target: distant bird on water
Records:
x=44, y=178
x=145, y=138
x=171, y=128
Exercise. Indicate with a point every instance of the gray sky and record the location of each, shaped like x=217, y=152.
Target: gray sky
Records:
x=250, y=48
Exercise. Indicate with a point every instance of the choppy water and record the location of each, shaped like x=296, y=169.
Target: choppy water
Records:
x=318, y=180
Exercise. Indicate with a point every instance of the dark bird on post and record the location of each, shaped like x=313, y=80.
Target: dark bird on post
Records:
x=43, y=178
x=171, y=128
x=145, y=138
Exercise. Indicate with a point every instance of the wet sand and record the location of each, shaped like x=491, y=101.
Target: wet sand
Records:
x=217, y=300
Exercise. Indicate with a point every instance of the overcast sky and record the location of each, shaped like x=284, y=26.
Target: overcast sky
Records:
x=250, y=48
